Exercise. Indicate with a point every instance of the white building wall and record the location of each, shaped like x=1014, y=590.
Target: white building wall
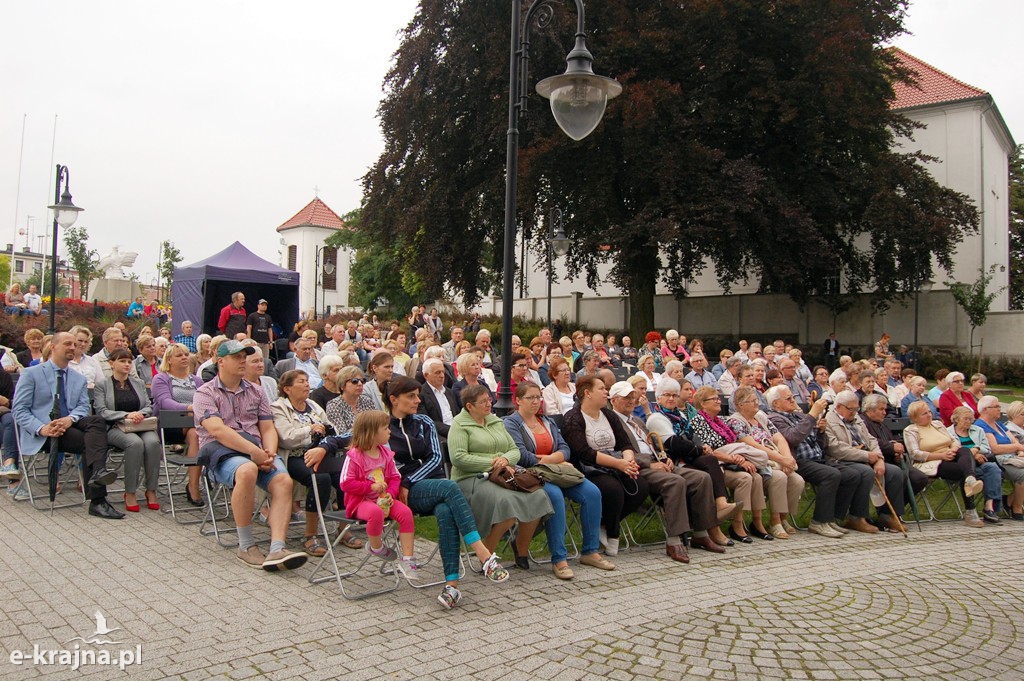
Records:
x=307, y=239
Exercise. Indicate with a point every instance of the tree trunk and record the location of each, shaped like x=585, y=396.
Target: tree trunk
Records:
x=641, y=303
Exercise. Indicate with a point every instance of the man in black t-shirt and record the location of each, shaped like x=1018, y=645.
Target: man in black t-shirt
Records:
x=260, y=327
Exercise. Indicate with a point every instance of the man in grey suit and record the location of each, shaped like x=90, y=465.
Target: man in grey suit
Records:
x=304, y=361
x=76, y=430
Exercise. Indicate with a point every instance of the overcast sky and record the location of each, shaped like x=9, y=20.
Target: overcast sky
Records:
x=207, y=122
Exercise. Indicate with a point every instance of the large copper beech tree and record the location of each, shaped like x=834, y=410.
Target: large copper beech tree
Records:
x=753, y=137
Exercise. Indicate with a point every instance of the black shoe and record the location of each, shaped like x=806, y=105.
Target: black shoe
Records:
x=761, y=535
x=990, y=517
x=103, y=477
x=743, y=540
x=522, y=562
x=1017, y=516
x=102, y=509
x=198, y=501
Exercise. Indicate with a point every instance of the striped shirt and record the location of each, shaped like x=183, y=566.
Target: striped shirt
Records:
x=241, y=409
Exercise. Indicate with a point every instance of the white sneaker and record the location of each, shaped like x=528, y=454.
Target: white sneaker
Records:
x=410, y=570
x=450, y=597
x=611, y=547
x=824, y=529
x=972, y=486
x=494, y=570
x=836, y=527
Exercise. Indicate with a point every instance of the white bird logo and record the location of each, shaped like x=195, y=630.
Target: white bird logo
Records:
x=101, y=630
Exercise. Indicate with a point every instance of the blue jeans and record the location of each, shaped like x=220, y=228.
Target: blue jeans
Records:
x=992, y=477
x=444, y=500
x=9, y=441
x=588, y=497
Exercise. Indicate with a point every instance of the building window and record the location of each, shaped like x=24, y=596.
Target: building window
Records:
x=19, y=265
x=330, y=254
x=292, y=252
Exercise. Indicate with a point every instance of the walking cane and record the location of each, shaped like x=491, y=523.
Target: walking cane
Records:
x=881, y=488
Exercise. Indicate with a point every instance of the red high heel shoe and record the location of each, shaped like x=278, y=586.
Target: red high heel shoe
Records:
x=129, y=508
x=152, y=505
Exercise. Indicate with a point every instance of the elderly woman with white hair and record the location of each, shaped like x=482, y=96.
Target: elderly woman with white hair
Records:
x=955, y=396
x=1007, y=445
x=936, y=453
x=1015, y=418
x=972, y=437
x=918, y=393
x=675, y=347
x=675, y=370
x=328, y=367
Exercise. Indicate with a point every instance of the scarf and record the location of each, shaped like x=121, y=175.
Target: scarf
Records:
x=719, y=426
x=680, y=424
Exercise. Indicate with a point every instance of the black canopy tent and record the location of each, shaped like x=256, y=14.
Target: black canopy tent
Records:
x=199, y=291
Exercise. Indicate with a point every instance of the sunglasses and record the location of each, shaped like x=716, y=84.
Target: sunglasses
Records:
x=357, y=381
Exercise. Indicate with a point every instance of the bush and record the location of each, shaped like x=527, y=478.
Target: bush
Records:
x=70, y=312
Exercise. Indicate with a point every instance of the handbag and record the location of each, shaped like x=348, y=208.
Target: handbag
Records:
x=1010, y=460
x=521, y=480
x=560, y=474
x=145, y=425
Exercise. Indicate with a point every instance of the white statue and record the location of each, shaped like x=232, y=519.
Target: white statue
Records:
x=112, y=264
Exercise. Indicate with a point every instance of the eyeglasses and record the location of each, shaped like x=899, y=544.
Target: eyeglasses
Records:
x=674, y=396
x=789, y=397
x=713, y=399
x=357, y=381
x=531, y=398
x=519, y=366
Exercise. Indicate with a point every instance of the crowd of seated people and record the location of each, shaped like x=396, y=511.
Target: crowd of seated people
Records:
x=724, y=451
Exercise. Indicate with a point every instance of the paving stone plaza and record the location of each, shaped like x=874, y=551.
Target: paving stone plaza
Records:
x=943, y=604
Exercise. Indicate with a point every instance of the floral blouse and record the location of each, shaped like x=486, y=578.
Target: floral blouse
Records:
x=715, y=436
x=341, y=416
x=761, y=432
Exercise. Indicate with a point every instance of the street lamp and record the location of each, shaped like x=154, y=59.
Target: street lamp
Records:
x=923, y=284
x=578, y=99
x=328, y=268
x=64, y=214
x=558, y=244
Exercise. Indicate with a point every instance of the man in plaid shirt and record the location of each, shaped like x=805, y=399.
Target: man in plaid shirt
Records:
x=238, y=446
x=834, y=483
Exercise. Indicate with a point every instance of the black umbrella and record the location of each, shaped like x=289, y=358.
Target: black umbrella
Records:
x=53, y=466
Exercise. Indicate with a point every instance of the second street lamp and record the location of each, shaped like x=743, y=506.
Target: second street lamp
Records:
x=64, y=215
x=557, y=244
x=578, y=100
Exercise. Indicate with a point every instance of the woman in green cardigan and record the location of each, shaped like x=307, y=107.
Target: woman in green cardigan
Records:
x=479, y=443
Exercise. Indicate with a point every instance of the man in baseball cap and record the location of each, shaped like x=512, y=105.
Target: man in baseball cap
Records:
x=238, y=445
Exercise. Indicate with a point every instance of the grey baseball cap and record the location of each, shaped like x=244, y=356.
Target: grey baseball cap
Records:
x=232, y=347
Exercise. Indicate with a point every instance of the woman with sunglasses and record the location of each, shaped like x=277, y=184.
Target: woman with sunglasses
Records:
x=342, y=410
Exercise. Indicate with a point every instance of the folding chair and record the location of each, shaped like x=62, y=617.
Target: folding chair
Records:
x=949, y=493
x=801, y=518
x=622, y=373
x=181, y=464
x=216, y=494
x=33, y=469
x=388, y=575
x=652, y=513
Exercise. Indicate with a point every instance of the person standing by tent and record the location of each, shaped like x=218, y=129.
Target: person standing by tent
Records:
x=232, y=317
x=260, y=327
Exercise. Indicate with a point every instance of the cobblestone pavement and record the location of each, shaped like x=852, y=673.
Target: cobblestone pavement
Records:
x=943, y=604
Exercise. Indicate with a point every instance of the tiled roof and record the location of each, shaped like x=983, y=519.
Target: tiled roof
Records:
x=932, y=87
x=316, y=213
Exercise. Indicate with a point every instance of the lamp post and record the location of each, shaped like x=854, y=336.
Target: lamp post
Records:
x=925, y=285
x=64, y=214
x=558, y=244
x=328, y=268
x=578, y=99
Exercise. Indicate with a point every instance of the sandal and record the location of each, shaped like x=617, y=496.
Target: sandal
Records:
x=314, y=546
x=350, y=542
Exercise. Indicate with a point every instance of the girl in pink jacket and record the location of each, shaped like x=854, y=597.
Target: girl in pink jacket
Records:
x=370, y=482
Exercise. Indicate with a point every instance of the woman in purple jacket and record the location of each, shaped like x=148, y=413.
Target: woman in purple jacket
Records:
x=173, y=389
